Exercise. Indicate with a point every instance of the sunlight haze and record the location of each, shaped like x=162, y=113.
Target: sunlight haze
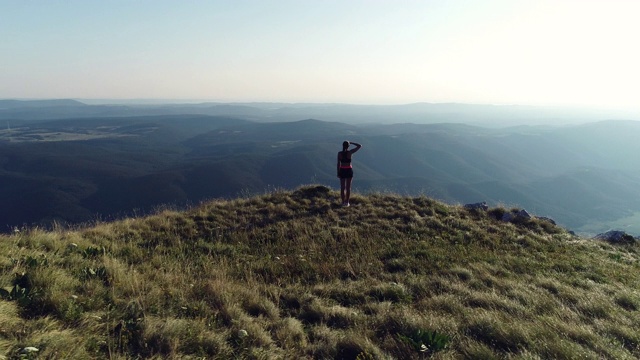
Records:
x=560, y=53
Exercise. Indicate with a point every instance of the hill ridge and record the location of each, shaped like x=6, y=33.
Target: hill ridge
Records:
x=290, y=274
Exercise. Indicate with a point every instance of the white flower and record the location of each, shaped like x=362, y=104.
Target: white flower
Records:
x=243, y=333
x=30, y=349
x=424, y=348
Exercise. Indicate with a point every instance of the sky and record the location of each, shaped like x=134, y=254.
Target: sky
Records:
x=581, y=53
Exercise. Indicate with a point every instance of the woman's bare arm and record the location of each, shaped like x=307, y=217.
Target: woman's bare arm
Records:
x=358, y=146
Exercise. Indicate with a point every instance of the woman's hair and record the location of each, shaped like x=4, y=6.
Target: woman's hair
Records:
x=345, y=145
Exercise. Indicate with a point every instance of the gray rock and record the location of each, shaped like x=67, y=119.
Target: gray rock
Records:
x=513, y=216
x=523, y=214
x=477, y=206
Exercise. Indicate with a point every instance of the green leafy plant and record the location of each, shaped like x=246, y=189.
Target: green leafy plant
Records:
x=14, y=293
x=426, y=341
x=95, y=273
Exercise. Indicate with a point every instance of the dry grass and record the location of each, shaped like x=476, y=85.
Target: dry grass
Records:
x=292, y=275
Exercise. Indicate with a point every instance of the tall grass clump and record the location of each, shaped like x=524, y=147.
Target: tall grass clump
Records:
x=294, y=275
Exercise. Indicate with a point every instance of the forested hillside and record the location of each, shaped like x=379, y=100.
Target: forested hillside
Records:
x=75, y=171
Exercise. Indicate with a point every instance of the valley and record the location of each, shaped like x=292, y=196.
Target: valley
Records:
x=80, y=170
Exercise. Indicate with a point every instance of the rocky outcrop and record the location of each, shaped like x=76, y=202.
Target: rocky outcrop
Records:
x=512, y=216
x=520, y=215
x=616, y=237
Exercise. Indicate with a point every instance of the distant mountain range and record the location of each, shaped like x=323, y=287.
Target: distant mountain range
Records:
x=78, y=169
x=419, y=113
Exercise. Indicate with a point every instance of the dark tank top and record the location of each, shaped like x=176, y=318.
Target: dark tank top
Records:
x=344, y=158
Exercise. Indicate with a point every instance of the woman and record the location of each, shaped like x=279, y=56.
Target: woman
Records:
x=345, y=171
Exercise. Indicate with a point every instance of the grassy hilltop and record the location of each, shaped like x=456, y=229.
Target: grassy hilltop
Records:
x=292, y=275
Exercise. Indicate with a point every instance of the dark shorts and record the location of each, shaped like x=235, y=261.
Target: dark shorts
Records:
x=345, y=173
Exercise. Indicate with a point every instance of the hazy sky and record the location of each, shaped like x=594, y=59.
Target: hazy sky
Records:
x=539, y=52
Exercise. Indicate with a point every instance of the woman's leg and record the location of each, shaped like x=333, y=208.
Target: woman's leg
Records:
x=343, y=184
x=348, y=191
